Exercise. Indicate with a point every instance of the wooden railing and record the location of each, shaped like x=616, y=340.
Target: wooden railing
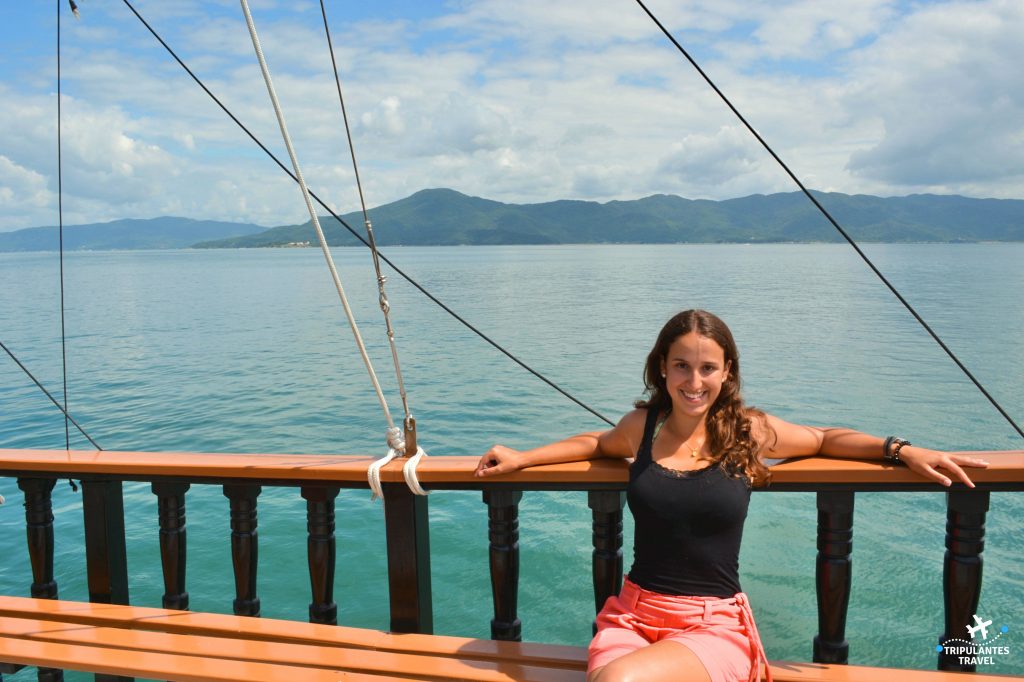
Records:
x=319, y=479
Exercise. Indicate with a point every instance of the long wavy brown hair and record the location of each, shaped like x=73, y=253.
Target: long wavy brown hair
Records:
x=728, y=421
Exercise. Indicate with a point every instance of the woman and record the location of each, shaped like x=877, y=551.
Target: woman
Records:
x=698, y=451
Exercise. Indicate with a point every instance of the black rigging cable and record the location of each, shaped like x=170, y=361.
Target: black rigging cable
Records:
x=49, y=395
x=348, y=134
x=60, y=228
x=385, y=306
x=63, y=408
x=832, y=220
x=348, y=227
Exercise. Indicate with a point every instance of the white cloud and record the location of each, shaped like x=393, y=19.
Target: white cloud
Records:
x=600, y=181
x=103, y=160
x=808, y=29
x=385, y=120
x=950, y=103
x=465, y=125
x=708, y=161
x=21, y=189
x=524, y=101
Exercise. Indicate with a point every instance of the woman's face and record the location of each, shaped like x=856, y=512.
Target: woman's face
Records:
x=694, y=369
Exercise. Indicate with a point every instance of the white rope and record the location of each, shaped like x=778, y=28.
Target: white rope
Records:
x=396, y=448
x=409, y=472
x=373, y=474
x=312, y=212
x=395, y=442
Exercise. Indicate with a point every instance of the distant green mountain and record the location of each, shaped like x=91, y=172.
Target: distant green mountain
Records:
x=155, y=233
x=444, y=216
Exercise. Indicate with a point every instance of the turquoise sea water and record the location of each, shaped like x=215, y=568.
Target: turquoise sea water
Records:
x=247, y=351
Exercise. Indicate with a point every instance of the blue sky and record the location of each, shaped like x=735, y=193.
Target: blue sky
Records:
x=521, y=101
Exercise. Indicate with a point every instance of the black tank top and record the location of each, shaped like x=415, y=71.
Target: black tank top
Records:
x=688, y=525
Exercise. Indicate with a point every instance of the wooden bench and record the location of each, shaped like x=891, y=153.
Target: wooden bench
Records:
x=193, y=647
x=182, y=645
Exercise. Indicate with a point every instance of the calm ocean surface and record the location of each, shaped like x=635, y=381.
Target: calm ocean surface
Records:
x=248, y=351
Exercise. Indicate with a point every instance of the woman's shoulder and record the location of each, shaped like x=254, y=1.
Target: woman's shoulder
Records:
x=624, y=438
x=635, y=418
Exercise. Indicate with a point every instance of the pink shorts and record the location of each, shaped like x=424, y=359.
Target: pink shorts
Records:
x=721, y=632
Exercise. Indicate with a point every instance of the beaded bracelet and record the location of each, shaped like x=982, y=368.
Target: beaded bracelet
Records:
x=893, y=454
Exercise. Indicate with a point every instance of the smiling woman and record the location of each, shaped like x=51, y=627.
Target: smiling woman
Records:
x=697, y=452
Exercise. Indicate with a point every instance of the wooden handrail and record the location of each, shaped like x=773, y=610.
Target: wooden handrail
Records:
x=319, y=477
x=1006, y=467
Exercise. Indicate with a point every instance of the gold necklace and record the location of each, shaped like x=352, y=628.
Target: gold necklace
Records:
x=694, y=451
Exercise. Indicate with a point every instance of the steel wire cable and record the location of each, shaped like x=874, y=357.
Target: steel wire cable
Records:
x=832, y=220
x=49, y=395
x=385, y=306
x=355, y=234
x=60, y=212
x=60, y=232
x=409, y=469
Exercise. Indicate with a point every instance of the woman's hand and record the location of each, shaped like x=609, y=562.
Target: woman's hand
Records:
x=927, y=462
x=499, y=460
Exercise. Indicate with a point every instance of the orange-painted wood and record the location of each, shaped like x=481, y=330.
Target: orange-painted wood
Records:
x=822, y=672
x=215, y=625
x=320, y=656
x=163, y=666
x=1006, y=466
x=138, y=641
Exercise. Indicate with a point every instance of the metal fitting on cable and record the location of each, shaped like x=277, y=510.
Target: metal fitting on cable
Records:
x=410, y=436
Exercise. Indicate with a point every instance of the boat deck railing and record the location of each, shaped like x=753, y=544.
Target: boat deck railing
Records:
x=320, y=478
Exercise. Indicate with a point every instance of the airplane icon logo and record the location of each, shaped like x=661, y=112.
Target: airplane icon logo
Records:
x=979, y=625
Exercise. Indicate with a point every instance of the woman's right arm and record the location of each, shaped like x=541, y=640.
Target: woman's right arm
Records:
x=616, y=442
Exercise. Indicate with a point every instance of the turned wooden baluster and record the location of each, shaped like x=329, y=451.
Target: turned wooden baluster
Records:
x=171, y=515
x=961, y=574
x=321, y=552
x=606, y=507
x=503, y=533
x=833, y=575
x=39, y=532
x=244, y=547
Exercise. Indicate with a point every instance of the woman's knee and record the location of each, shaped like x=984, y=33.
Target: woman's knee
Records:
x=615, y=671
x=665, y=661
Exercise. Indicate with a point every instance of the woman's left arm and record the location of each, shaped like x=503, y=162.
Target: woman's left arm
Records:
x=796, y=440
